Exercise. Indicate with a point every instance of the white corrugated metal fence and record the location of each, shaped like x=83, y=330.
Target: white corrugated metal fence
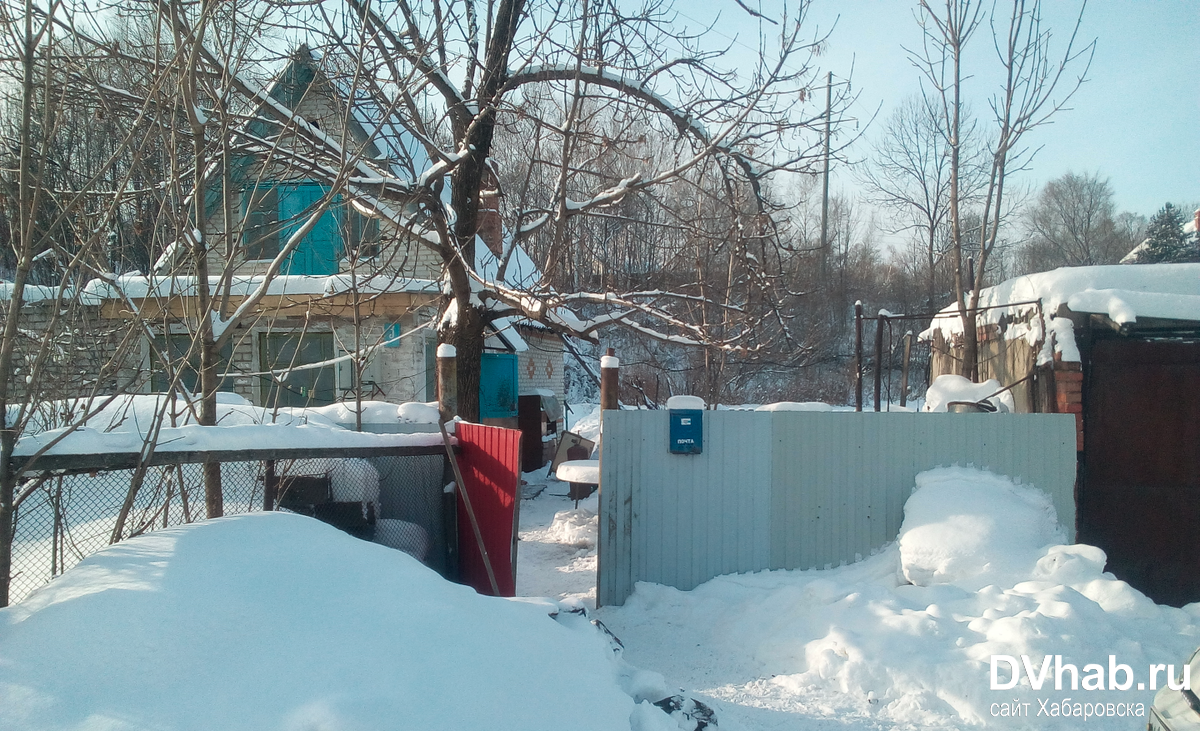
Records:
x=785, y=490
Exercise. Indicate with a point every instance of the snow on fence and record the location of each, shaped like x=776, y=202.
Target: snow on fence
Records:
x=795, y=490
x=72, y=502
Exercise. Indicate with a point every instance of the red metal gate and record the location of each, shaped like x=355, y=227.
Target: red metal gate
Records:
x=490, y=460
x=1140, y=493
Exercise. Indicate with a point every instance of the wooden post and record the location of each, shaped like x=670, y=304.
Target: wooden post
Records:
x=879, y=321
x=609, y=382
x=270, y=485
x=858, y=356
x=447, y=382
x=908, y=338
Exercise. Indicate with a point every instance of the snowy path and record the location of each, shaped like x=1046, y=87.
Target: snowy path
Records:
x=556, y=559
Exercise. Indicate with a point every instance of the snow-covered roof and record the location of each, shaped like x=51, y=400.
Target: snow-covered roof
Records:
x=506, y=332
x=32, y=292
x=139, y=285
x=521, y=272
x=1122, y=293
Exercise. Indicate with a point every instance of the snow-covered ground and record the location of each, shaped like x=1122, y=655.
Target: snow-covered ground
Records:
x=273, y=621
x=900, y=640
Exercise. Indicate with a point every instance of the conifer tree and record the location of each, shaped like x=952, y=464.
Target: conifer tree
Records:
x=1165, y=242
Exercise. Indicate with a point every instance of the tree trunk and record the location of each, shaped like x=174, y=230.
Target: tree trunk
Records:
x=467, y=338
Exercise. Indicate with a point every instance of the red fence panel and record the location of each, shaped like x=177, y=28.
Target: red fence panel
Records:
x=490, y=460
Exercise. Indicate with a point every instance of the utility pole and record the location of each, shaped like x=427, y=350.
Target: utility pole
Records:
x=825, y=182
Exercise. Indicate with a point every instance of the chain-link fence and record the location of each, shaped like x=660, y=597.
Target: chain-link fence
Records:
x=64, y=515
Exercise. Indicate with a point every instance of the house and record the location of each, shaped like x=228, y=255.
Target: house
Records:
x=1119, y=347
x=354, y=305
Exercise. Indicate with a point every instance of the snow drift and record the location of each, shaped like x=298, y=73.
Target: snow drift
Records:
x=969, y=528
x=861, y=647
x=275, y=621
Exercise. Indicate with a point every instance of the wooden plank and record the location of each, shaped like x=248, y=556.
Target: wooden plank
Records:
x=337, y=305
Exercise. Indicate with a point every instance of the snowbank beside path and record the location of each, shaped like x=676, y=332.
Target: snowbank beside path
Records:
x=275, y=621
x=860, y=647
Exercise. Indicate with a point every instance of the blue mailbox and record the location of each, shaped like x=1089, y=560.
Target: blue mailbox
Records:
x=687, y=431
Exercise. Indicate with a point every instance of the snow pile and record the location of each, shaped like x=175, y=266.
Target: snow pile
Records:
x=967, y=528
x=796, y=406
x=577, y=528
x=585, y=421
x=859, y=647
x=136, y=413
x=124, y=425
x=416, y=412
x=374, y=412
x=947, y=388
x=275, y=621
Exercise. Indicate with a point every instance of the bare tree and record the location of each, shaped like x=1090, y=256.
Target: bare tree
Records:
x=1073, y=223
x=584, y=78
x=60, y=204
x=1037, y=82
x=909, y=175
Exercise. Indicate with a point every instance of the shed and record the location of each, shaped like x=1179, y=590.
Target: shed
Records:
x=1119, y=347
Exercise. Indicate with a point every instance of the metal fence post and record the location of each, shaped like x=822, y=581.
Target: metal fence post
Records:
x=879, y=321
x=858, y=352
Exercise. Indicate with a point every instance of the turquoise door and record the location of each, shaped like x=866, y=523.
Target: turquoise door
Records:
x=320, y=250
x=498, y=386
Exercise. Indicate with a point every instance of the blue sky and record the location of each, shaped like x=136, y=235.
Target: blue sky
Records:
x=1136, y=120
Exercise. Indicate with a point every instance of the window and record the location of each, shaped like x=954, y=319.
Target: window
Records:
x=260, y=235
x=274, y=211
x=307, y=387
x=186, y=359
x=362, y=234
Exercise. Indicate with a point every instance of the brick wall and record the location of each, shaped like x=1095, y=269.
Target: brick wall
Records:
x=87, y=355
x=1068, y=393
x=542, y=365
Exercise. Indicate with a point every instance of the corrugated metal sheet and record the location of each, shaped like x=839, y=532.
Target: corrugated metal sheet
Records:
x=489, y=458
x=795, y=489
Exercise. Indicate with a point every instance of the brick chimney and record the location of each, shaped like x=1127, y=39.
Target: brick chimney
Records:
x=491, y=226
